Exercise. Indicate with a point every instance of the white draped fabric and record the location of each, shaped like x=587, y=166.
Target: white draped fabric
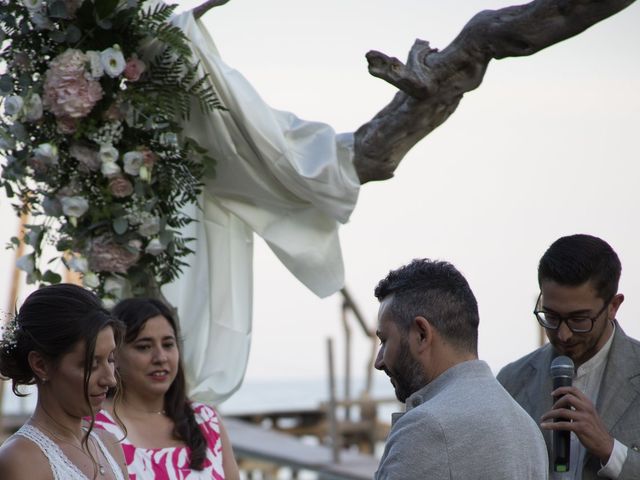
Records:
x=291, y=181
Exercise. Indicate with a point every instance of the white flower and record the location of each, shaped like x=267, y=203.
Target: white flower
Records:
x=74, y=206
x=150, y=226
x=26, y=263
x=79, y=264
x=46, y=153
x=32, y=4
x=108, y=302
x=115, y=286
x=108, y=154
x=13, y=105
x=133, y=161
x=154, y=247
x=113, y=61
x=95, y=63
x=90, y=280
x=33, y=108
x=110, y=169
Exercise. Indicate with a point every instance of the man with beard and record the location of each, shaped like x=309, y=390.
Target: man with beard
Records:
x=578, y=277
x=459, y=424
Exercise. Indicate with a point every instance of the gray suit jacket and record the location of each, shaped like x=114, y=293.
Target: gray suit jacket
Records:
x=529, y=382
x=464, y=426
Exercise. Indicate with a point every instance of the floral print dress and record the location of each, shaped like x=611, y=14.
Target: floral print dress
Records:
x=171, y=463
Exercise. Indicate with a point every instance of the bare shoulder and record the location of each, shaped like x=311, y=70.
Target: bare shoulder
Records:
x=21, y=458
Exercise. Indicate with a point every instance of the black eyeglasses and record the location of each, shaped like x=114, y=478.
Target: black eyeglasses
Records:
x=576, y=323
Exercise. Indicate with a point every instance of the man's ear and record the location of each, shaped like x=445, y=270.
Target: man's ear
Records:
x=424, y=331
x=39, y=365
x=616, y=301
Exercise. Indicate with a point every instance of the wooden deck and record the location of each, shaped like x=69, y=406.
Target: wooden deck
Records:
x=254, y=442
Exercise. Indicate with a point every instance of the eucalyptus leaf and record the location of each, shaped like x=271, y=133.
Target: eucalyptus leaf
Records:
x=58, y=9
x=120, y=225
x=6, y=85
x=58, y=36
x=73, y=34
x=51, y=277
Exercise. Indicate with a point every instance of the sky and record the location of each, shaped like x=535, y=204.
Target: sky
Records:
x=547, y=146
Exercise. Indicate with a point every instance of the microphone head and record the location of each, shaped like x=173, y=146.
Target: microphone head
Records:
x=562, y=366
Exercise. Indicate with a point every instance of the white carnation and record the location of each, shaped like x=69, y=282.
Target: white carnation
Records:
x=74, y=206
x=95, y=63
x=113, y=61
x=110, y=169
x=133, y=161
x=108, y=154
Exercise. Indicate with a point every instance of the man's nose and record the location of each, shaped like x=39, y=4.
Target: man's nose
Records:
x=564, y=332
x=379, y=364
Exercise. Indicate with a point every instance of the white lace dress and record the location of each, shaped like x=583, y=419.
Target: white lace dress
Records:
x=61, y=466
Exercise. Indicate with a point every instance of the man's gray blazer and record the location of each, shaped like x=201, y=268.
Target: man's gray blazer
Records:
x=464, y=426
x=529, y=382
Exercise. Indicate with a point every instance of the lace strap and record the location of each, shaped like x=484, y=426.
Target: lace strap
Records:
x=61, y=466
x=115, y=468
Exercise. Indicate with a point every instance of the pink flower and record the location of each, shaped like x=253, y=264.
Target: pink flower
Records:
x=86, y=157
x=149, y=158
x=68, y=92
x=114, y=113
x=134, y=69
x=120, y=187
x=105, y=255
x=67, y=125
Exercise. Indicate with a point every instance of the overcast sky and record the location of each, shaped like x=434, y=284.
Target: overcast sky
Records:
x=547, y=146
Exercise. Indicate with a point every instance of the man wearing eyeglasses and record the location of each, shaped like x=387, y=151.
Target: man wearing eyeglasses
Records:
x=578, y=277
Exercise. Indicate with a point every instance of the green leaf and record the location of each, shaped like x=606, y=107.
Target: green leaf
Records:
x=6, y=85
x=120, y=225
x=105, y=8
x=51, y=277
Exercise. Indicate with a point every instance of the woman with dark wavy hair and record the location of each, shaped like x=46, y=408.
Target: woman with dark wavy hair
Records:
x=62, y=341
x=166, y=435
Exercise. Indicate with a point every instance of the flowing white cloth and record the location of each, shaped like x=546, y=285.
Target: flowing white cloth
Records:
x=291, y=181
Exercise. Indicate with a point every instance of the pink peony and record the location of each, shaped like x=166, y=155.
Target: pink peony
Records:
x=120, y=187
x=105, y=255
x=68, y=92
x=134, y=69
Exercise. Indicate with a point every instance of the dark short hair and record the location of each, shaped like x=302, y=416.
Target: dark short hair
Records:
x=577, y=259
x=437, y=291
x=134, y=313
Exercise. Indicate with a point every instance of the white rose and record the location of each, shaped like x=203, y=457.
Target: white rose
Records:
x=115, y=286
x=95, y=63
x=154, y=247
x=108, y=154
x=47, y=153
x=108, y=302
x=32, y=4
x=74, y=206
x=33, y=108
x=113, y=61
x=26, y=263
x=90, y=280
x=13, y=105
x=110, y=169
x=133, y=161
x=150, y=226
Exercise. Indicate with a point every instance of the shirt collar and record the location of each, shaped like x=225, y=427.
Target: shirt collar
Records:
x=598, y=359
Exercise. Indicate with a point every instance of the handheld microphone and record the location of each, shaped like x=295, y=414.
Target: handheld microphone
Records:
x=562, y=372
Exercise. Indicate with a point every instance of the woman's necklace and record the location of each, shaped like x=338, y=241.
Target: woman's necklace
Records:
x=101, y=469
x=130, y=407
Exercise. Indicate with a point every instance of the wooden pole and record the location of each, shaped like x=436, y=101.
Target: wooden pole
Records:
x=347, y=360
x=333, y=420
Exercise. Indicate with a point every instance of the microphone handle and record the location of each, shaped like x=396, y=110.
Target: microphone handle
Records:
x=561, y=438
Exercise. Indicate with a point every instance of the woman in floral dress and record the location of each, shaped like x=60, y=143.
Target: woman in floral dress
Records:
x=165, y=435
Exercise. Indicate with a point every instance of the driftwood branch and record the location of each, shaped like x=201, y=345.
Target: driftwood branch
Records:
x=432, y=82
x=200, y=10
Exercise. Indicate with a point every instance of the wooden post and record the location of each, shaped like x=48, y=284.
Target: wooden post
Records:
x=333, y=420
x=347, y=360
